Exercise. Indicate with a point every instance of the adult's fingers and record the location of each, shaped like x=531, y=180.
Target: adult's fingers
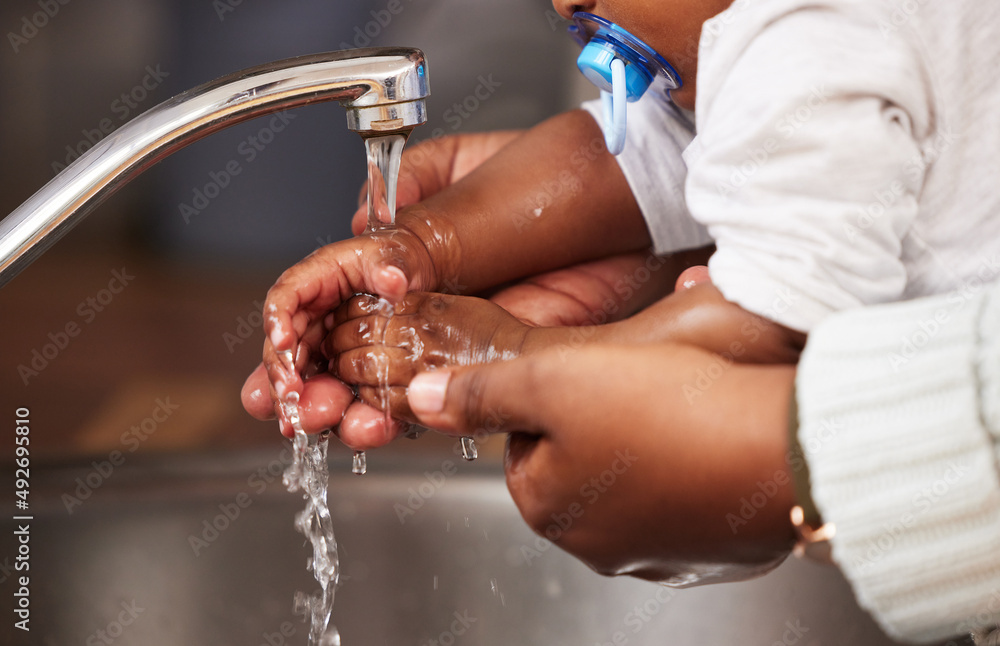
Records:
x=365, y=427
x=596, y=292
x=322, y=404
x=256, y=396
x=692, y=276
x=326, y=403
x=464, y=400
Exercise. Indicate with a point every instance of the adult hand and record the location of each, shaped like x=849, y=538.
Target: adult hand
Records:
x=626, y=457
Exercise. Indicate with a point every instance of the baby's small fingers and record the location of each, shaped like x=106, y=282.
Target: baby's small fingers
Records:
x=365, y=366
x=353, y=334
x=400, y=330
x=364, y=332
x=362, y=305
x=312, y=287
x=357, y=306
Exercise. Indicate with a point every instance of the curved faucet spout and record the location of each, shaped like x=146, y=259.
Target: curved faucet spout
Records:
x=383, y=89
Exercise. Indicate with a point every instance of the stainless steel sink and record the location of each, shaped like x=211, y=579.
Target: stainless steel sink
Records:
x=201, y=550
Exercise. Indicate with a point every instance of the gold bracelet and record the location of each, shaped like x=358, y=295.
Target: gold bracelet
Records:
x=812, y=539
x=811, y=533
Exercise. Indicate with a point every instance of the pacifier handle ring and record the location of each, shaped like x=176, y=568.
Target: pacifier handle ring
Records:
x=615, y=109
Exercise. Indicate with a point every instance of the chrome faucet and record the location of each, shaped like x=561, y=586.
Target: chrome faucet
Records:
x=383, y=89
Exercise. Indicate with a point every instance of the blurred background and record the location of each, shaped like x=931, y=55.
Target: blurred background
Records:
x=187, y=324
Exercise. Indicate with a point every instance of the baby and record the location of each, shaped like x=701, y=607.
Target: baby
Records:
x=831, y=169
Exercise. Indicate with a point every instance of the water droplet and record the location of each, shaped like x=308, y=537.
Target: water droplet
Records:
x=469, y=450
x=435, y=582
x=360, y=463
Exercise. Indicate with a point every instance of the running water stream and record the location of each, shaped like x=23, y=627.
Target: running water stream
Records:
x=385, y=154
x=309, y=471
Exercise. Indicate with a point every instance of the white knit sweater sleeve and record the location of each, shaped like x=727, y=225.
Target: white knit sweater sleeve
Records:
x=899, y=411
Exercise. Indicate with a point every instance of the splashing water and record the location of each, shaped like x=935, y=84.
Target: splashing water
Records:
x=309, y=473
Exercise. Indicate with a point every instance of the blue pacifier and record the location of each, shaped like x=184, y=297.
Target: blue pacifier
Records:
x=621, y=65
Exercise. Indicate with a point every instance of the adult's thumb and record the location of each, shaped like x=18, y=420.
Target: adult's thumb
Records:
x=499, y=397
x=692, y=276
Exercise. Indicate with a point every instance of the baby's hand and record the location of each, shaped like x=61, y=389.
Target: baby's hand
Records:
x=387, y=263
x=371, y=350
